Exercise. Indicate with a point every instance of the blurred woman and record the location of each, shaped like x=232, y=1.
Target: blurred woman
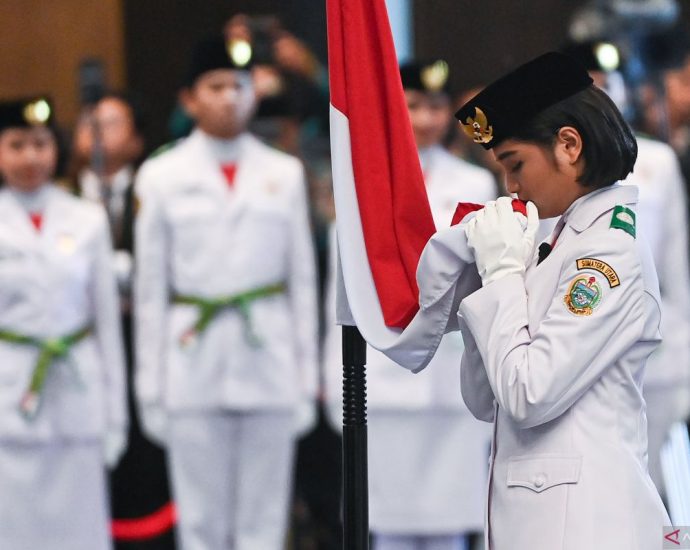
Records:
x=62, y=394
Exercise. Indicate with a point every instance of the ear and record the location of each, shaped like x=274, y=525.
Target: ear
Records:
x=569, y=144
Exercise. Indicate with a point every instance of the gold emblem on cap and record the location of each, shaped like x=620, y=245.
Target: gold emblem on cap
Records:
x=435, y=76
x=240, y=52
x=37, y=112
x=478, y=127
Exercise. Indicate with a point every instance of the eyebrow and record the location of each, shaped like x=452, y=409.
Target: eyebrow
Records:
x=505, y=155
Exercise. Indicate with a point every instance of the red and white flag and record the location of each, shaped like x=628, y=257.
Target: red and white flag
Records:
x=383, y=215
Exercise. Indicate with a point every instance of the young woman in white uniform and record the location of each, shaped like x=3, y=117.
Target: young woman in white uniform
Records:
x=556, y=341
x=62, y=392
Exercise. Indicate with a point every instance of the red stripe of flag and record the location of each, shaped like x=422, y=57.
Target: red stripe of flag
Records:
x=394, y=209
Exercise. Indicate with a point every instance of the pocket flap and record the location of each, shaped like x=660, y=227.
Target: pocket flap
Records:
x=539, y=473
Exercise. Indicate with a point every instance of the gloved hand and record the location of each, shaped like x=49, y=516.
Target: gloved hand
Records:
x=305, y=416
x=154, y=422
x=502, y=245
x=114, y=446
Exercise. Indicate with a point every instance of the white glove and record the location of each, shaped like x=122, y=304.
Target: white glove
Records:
x=502, y=245
x=114, y=446
x=305, y=417
x=154, y=422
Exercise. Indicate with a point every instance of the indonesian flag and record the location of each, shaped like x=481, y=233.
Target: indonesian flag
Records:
x=383, y=215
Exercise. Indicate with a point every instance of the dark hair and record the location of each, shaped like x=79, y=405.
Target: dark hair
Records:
x=609, y=147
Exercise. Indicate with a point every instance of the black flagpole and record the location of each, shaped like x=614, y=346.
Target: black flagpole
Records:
x=355, y=480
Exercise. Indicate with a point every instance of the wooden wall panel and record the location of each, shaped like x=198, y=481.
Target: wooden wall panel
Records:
x=43, y=42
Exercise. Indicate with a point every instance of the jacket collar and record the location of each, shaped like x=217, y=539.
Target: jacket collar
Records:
x=587, y=209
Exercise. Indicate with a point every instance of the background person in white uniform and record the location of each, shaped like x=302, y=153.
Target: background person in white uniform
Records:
x=63, y=414
x=427, y=454
x=225, y=312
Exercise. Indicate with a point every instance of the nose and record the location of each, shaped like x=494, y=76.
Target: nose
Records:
x=511, y=184
x=230, y=95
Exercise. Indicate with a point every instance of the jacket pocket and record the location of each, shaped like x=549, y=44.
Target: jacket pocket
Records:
x=541, y=472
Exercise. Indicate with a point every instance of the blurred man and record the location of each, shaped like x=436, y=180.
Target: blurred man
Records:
x=427, y=453
x=108, y=145
x=225, y=301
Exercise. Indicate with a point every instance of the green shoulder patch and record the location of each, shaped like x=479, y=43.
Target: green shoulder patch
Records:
x=623, y=218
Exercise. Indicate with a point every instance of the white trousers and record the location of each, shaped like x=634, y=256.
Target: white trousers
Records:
x=435, y=542
x=53, y=496
x=231, y=478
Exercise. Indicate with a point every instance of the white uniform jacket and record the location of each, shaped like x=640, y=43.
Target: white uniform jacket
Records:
x=663, y=220
x=195, y=235
x=449, y=181
x=54, y=283
x=563, y=352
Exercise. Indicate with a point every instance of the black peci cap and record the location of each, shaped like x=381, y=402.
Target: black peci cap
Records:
x=430, y=77
x=514, y=99
x=26, y=113
x=216, y=53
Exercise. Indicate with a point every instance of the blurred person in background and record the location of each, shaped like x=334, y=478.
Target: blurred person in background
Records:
x=225, y=303
x=662, y=216
x=108, y=145
x=291, y=84
x=427, y=453
x=64, y=412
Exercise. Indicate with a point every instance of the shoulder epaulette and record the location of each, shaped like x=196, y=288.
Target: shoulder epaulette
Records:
x=623, y=218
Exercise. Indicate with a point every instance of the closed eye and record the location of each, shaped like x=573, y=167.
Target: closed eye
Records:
x=516, y=167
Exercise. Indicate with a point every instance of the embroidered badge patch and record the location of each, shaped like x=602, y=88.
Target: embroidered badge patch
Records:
x=623, y=218
x=584, y=295
x=602, y=267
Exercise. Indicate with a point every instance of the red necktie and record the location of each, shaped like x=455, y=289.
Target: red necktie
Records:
x=36, y=220
x=229, y=171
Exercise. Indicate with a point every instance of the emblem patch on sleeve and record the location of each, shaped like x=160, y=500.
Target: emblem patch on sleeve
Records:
x=602, y=267
x=584, y=295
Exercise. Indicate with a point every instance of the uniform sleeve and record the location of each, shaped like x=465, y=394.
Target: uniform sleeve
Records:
x=474, y=384
x=302, y=291
x=674, y=281
x=151, y=292
x=108, y=330
x=537, y=376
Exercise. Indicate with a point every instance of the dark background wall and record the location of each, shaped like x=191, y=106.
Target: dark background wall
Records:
x=159, y=35
x=480, y=39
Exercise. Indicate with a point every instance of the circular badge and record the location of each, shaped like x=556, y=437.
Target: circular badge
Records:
x=584, y=295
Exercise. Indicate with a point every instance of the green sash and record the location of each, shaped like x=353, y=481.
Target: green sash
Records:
x=209, y=308
x=49, y=350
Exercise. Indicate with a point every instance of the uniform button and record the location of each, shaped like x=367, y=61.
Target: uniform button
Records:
x=539, y=480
